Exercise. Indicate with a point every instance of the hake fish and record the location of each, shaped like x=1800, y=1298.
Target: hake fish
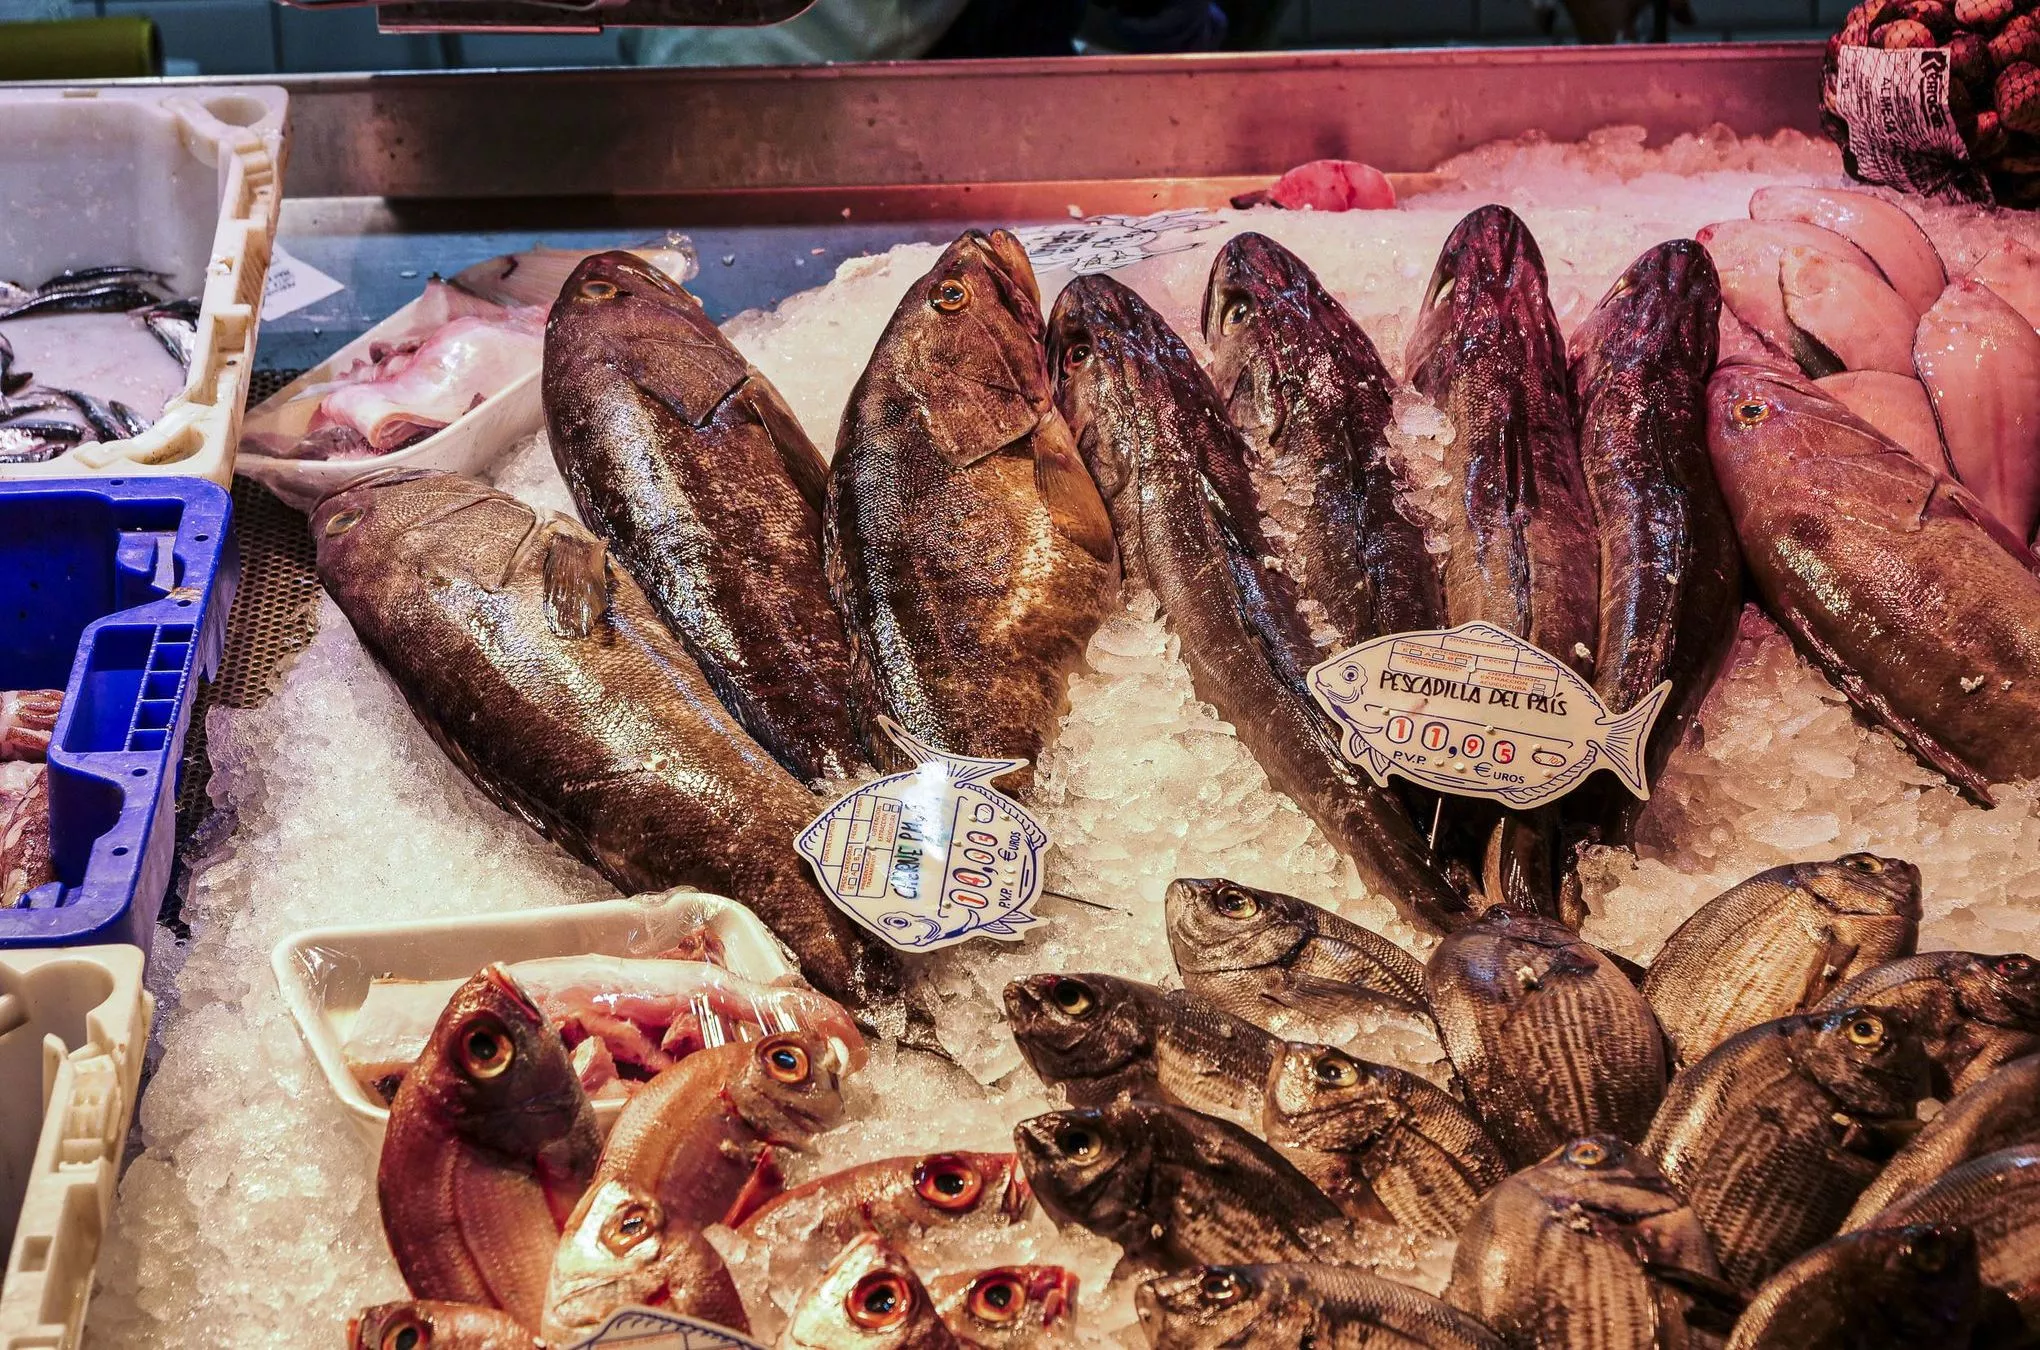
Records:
x=1372, y=1136
x=1549, y=1036
x=1176, y=1186
x=1972, y=1012
x=622, y=1249
x=1098, y=1036
x=689, y=463
x=1894, y=580
x=1591, y=1249
x=869, y=1297
x=967, y=550
x=490, y=1144
x=1299, y=1304
x=550, y=680
x=1261, y=954
x=1775, y=1133
x=1884, y=1289
x=1156, y=437
x=1998, y=1112
x=1778, y=944
x=1996, y=1197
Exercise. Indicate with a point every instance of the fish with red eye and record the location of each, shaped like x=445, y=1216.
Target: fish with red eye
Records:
x=898, y=1198
x=1009, y=1307
x=427, y=1324
x=868, y=1297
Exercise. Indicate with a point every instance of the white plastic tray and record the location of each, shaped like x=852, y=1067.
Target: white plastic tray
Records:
x=324, y=973
x=183, y=180
x=73, y=1025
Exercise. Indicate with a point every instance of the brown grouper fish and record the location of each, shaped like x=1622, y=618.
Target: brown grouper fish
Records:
x=968, y=551
x=688, y=462
x=546, y=674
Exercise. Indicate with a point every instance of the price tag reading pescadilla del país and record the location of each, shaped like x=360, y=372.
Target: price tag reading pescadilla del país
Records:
x=1479, y=712
x=927, y=858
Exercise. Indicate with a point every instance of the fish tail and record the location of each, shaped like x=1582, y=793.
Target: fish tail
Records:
x=1623, y=744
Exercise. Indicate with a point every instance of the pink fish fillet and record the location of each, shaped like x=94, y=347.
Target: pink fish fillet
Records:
x=1885, y=231
x=27, y=718
x=461, y=365
x=2013, y=271
x=1980, y=362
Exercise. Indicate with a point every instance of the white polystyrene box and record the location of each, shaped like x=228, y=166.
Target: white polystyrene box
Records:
x=74, y=1023
x=180, y=179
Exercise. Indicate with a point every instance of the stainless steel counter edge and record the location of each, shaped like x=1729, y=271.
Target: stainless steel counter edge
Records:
x=902, y=140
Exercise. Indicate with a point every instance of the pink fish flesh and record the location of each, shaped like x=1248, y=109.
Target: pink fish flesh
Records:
x=1980, y=362
x=416, y=392
x=25, y=857
x=27, y=717
x=1885, y=231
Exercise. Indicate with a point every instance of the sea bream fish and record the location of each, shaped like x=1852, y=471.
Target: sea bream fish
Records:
x=623, y=1249
x=1894, y=580
x=548, y=677
x=2000, y=1111
x=967, y=550
x=1300, y=1304
x=1009, y=1307
x=1156, y=437
x=904, y=1200
x=689, y=463
x=434, y=1324
x=868, y=1298
x=1885, y=1289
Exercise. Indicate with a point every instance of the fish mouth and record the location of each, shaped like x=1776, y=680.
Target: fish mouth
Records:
x=1019, y=1196
x=354, y=1331
x=1009, y=257
x=1056, y=1290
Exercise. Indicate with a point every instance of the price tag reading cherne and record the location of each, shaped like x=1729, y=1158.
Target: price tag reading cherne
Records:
x=933, y=856
x=648, y=1329
x=1479, y=712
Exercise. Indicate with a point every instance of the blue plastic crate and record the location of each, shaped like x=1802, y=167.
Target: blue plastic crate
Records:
x=118, y=590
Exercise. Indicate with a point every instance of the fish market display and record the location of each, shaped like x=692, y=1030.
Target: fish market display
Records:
x=1379, y=1139
x=1775, y=1133
x=490, y=1144
x=1996, y=1197
x=1098, y=1036
x=1010, y=1307
x=1971, y=1012
x=1780, y=943
x=1894, y=580
x=643, y=1015
x=1549, y=1036
x=969, y=553
x=687, y=461
x=901, y=1199
x=1174, y=471
x=1980, y=361
x=1264, y=956
x=26, y=857
x=622, y=1248
x=426, y=1323
x=1889, y=1287
x=1299, y=1304
x=602, y=733
x=869, y=1296
x=2001, y=1110
x=1591, y=1247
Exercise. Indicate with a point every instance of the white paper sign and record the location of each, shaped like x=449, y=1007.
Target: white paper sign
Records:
x=1108, y=243
x=646, y=1329
x=1478, y=712
x=292, y=284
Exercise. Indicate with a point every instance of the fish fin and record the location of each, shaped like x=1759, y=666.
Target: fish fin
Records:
x=1880, y=710
x=576, y=579
x=765, y=1184
x=1813, y=355
x=1830, y=959
x=1066, y=487
x=804, y=464
x=1625, y=738
x=1630, y=970
x=1715, y=1304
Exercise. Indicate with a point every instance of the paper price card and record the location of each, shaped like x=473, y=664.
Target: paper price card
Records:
x=646, y=1329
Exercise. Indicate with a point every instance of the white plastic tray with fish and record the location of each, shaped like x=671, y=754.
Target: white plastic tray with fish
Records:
x=325, y=973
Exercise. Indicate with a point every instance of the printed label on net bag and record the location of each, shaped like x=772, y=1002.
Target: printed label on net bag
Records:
x=933, y=856
x=1901, y=131
x=646, y=1329
x=1479, y=712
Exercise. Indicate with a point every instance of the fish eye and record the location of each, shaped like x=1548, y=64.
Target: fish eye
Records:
x=1235, y=903
x=1869, y=864
x=343, y=521
x=1927, y=1252
x=997, y=1297
x=880, y=1300
x=1220, y=1288
x=485, y=1048
x=1586, y=1153
x=786, y=1062
x=2017, y=966
x=631, y=1225
x=1442, y=290
x=1076, y=354
x=948, y=1182
x=1079, y=1144
x=1336, y=1070
x=1867, y=1030
x=1236, y=313
x=1751, y=411
x=597, y=289
x=951, y=295
x=1072, y=997
x=406, y=1335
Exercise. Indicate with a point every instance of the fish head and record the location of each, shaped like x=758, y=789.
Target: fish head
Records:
x=617, y=311
x=1009, y=1306
x=495, y=1069
x=1213, y=1306
x=790, y=1088
x=1260, y=304
x=1489, y=277
x=1867, y=1058
x=1215, y=924
x=1088, y=1165
x=959, y=1187
x=1862, y=883
x=1512, y=952
x=620, y=1248
x=868, y=1298
x=1666, y=304
x=383, y=530
x=1766, y=424
x=2002, y=990
x=1102, y=337
x=1612, y=1180
x=1078, y=1026
x=429, y=1324
x=1320, y=1096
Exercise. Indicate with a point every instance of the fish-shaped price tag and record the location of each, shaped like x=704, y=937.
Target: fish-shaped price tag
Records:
x=1479, y=712
x=648, y=1329
x=930, y=857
